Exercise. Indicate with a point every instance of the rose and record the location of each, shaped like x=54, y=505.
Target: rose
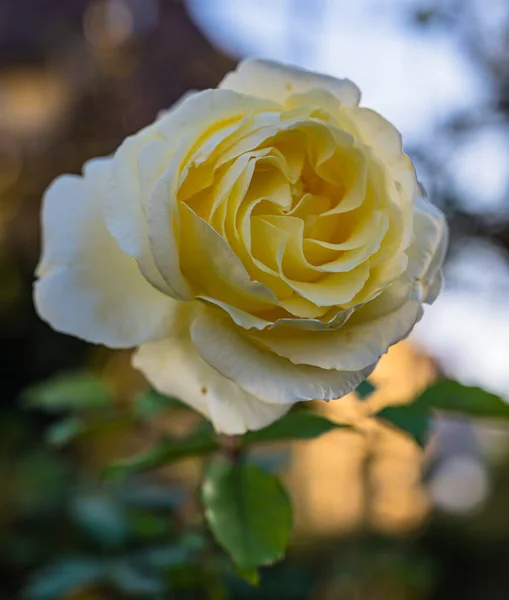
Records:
x=262, y=244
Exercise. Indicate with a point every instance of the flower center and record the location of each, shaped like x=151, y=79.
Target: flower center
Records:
x=301, y=210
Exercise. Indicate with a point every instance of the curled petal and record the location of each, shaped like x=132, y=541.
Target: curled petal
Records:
x=211, y=262
x=358, y=344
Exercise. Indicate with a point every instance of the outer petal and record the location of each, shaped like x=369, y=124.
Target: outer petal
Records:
x=123, y=207
x=427, y=253
x=174, y=367
x=134, y=163
x=276, y=81
x=222, y=345
x=87, y=286
x=355, y=346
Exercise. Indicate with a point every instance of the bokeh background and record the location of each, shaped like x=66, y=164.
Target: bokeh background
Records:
x=375, y=519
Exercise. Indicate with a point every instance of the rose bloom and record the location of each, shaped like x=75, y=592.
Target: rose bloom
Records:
x=261, y=244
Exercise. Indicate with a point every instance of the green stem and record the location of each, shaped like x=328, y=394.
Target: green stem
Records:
x=231, y=447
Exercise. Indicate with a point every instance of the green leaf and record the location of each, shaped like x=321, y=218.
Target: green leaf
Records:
x=448, y=396
x=140, y=493
x=163, y=556
x=149, y=525
x=128, y=578
x=202, y=441
x=65, y=431
x=151, y=402
x=102, y=519
x=299, y=425
x=252, y=576
x=452, y=396
x=59, y=579
x=445, y=395
x=248, y=512
x=80, y=390
x=411, y=419
x=365, y=389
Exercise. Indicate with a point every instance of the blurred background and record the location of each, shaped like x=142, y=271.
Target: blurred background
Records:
x=75, y=79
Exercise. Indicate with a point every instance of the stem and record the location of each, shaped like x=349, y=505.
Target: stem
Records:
x=231, y=447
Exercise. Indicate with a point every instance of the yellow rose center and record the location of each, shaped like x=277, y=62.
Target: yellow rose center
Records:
x=301, y=203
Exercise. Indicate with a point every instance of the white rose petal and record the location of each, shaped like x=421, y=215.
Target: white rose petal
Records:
x=175, y=368
x=264, y=243
x=87, y=286
x=265, y=374
x=276, y=81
